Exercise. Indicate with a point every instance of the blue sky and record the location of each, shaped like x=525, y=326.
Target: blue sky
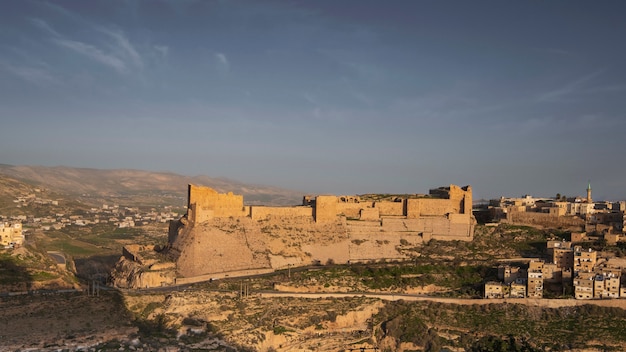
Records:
x=343, y=97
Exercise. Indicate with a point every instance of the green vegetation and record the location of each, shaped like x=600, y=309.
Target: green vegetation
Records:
x=464, y=280
x=43, y=276
x=12, y=270
x=459, y=268
x=280, y=330
x=504, y=326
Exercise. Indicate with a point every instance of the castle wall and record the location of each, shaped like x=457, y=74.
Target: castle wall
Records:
x=463, y=197
x=325, y=209
x=258, y=213
x=430, y=207
x=209, y=203
x=131, y=252
x=390, y=208
x=544, y=219
x=209, y=249
x=371, y=214
x=461, y=228
x=351, y=210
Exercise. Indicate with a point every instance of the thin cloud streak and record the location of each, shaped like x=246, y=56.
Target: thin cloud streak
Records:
x=34, y=75
x=38, y=22
x=222, y=62
x=568, y=89
x=164, y=50
x=124, y=45
x=93, y=53
x=123, y=53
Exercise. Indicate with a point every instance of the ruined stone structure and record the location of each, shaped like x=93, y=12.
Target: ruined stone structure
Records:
x=220, y=236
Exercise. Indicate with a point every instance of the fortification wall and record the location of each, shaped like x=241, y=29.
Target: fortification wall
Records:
x=544, y=219
x=461, y=228
x=131, y=252
x=462, y=198
x=390, y=208
x=219, y=246
x=351, y=210
x=430, y=207
x=370, y=214
x=258, y=213
x=206, y=203
x=325, y=209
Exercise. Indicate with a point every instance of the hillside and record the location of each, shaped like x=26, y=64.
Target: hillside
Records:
x=127, y=183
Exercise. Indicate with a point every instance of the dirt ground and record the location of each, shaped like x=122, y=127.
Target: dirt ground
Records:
x=37, y=322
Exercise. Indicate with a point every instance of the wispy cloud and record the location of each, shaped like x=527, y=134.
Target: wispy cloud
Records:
x=555, y=51
x=607, y=89
x=123, y=46
x=33, y=75
x=44, y=26
x=223, y=65
x=568, y=89
x=310, y=98
x=164, y=50
x=94, y=53
x=119, y=54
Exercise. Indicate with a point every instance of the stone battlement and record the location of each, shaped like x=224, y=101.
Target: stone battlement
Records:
x=205, y=203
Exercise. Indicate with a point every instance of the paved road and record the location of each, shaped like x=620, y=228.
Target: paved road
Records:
x=58, y=257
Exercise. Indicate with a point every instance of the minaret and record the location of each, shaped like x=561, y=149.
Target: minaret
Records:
x=589, y=192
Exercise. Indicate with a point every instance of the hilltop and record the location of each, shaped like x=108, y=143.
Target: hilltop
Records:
x=98, y=184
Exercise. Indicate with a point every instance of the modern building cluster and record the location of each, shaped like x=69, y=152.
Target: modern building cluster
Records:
x=604, y=218
x=14, y=228
x=571, y=269
x=122, y=217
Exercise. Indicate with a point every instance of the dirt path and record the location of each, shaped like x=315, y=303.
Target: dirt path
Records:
x=547, y=303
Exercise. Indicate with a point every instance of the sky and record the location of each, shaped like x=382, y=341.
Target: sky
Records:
x=325, y=96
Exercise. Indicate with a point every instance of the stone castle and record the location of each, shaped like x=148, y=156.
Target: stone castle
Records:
x=221, y=237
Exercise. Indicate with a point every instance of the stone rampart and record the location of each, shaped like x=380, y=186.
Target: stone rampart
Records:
x=430, y=207
x=325, y=209
x=370, y=214
x=351, y=210
x=544, y=219
x=206, y=203
x=258, y=212
x=390, y=208
x=131, y=252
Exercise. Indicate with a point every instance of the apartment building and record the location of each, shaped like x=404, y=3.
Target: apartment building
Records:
x=584, y=285
x=584, y=259
x=11, y=235
x=535, y=279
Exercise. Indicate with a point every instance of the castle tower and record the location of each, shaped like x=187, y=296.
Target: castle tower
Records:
x=589, y=192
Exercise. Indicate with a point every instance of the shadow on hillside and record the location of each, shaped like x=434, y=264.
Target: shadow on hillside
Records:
x=14, y=277
x=95, y=267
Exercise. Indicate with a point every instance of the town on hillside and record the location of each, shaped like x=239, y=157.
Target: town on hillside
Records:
x=15, y=228
x=569, y=268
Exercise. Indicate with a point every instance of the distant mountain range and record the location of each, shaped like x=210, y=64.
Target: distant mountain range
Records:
x=127, y=182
